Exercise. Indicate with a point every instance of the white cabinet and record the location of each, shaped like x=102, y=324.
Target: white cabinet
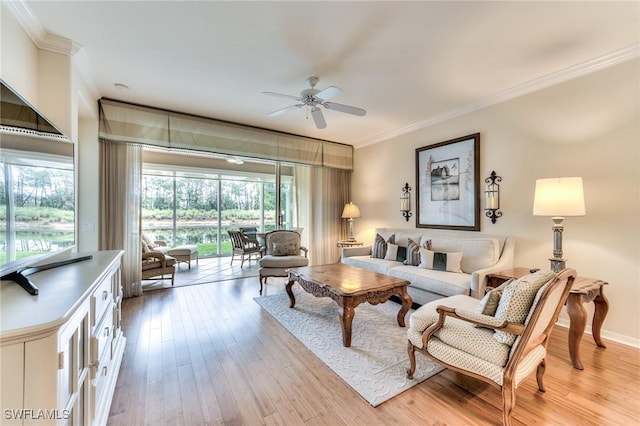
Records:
x=60, y=351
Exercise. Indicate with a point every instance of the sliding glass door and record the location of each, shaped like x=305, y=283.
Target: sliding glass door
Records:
x=196, y=205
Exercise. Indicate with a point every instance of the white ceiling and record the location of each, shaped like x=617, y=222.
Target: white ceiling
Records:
x=409, y=64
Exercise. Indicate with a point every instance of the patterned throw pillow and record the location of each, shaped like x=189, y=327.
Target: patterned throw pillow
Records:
x=379, y=248
x=516, y=301
x=413, y=252
x=284, y=249
x=489, y=303
x=425, y=242
x=449, y=262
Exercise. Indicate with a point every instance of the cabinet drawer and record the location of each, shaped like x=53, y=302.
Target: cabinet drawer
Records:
x=100, y=300
x=101, y=339
x=100, y=381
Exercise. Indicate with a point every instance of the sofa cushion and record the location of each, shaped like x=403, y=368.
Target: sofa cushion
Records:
x=477, y=253
x=516, y=301
x=372, y=264
x=379, y=248
x=438, y=282
x=440, y=261
x=270, y=261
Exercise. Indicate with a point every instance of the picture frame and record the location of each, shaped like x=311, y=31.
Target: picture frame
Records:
x=448, y=184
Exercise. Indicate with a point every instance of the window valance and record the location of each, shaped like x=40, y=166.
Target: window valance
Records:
x=123, y=122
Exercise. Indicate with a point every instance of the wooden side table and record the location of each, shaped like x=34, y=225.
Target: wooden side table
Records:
x=347, y=243
x=584, y=290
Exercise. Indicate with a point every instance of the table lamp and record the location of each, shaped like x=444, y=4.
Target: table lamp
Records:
x=558, y=197
x=350, y=212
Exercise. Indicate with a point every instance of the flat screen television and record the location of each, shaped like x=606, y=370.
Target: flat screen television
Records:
x=37, y=186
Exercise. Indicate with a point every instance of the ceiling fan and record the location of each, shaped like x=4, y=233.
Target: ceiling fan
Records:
x=312, y=98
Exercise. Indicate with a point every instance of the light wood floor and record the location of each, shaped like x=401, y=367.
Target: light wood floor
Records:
x=207, y=354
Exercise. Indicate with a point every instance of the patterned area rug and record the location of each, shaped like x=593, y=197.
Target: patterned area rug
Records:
x=375, y=364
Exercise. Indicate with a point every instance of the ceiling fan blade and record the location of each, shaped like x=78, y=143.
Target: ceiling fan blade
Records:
x=345, y=108
x=328, y=93
x=282, y=95
x=318, y=118
x=283, y=110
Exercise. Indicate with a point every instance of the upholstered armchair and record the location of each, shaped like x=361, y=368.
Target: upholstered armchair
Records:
x=282, y=251
x=243, y=246
x=500, y=339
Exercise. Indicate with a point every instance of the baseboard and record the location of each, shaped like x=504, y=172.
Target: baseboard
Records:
x=615, y=337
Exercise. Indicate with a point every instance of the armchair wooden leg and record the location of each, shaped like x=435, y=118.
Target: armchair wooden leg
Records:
x=265, y=280
x=539, y=374
x=508, y=401
x=411, y=350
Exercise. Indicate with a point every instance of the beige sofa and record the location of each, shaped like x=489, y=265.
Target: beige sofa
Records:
x=481, y=254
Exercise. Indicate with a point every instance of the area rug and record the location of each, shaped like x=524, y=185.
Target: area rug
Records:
x=375, y=364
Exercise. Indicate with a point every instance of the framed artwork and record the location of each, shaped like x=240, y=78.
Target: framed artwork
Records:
x=447, y=184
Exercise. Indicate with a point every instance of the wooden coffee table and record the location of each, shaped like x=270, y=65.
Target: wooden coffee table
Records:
x=349, y=287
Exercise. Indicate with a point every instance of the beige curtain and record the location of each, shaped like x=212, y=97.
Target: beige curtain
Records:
x=123, y=122
x=120, y=183
x=321, y=195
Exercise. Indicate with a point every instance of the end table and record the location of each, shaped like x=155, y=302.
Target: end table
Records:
x=584, y=290
x=347, y=243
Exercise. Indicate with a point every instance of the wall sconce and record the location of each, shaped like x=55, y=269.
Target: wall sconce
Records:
x=405, y=201
x=492, y=197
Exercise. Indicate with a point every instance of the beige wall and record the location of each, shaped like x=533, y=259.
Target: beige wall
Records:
x=585, y=127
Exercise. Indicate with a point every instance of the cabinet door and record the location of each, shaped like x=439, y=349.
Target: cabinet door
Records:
x=12, y=384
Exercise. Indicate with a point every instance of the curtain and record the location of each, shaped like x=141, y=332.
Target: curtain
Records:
x=321, y=194
x=120, y=206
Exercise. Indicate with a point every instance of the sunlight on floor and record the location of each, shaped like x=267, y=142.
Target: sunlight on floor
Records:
x=205, y=271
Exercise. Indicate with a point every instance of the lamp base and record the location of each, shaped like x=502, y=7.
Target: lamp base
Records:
x=558, y=264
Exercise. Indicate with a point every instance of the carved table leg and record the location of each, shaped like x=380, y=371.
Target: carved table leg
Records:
x=290, y=293
x=346, y=319
x=577, y=324
x=601, y=309
x=406, y=305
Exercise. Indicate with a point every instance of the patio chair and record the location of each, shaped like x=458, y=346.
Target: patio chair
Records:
x=243, y=246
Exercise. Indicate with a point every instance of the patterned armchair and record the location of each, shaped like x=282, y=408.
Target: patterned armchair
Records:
x=500, y=339
x=282, y=251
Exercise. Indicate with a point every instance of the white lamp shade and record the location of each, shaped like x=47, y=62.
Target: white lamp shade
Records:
x=559, y=197
x=350, y=211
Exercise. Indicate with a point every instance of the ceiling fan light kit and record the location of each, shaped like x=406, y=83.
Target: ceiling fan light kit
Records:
x=311, y=99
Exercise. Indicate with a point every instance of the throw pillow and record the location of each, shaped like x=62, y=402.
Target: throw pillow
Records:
x=149, y=241
x=516, y=301
x=392, y=252
x=402, y=254
x=449, y=262
x=413, y=253
x=425, y=242
x=284, y=249
x=379, y=248
x=489, y=303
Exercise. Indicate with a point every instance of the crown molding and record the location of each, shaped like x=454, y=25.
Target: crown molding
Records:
x=38, y=34
x=575, y=71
